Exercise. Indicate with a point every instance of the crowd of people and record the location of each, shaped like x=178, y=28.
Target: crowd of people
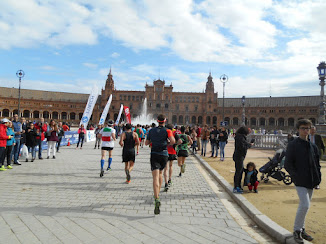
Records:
x=19, y=134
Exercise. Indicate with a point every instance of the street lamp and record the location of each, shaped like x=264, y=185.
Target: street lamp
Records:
x=224, y=78
x=20, y=74
x=322, y=72
x=243, y=100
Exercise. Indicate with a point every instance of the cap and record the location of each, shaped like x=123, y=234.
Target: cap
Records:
x=4, y=120
x=110, y=122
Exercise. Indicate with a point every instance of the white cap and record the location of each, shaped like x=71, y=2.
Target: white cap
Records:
x=4, y=120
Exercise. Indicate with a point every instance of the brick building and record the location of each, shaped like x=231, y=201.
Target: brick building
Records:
x=179, y=107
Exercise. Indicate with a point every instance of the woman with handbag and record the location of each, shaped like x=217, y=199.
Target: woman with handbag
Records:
x=52, y=137
x=31, y=140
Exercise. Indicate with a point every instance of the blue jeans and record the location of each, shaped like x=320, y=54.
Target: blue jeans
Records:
x=33, y=151
x=16, y=150
x=203, y=147
x=222, y=146
x=214, y=149
x=39, y=149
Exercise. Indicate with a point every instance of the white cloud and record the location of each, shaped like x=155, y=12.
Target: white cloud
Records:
x=115, y=55
x=90, y=65
x=47, y=67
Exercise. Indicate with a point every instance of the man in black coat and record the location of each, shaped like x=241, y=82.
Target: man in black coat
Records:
x=316, y=139
x=302, y=163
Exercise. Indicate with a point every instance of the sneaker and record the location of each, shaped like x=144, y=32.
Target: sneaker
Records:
x=180, y=174
x=297, y=236
x=17, y=163
x=305, y=235
x=317, y=187
x=2, y=168
x=53, y=157
x=47, y=157
x=32, y=160
x=9, y=166
x=128, y=181
x=255, y=190
x=40, y=158
x=183, y=168
x=128, y=175
x=166, y=187
x=157, y=206
x=102, y=173
x=237, y=190
x=169, y=183
x=26, y=160
x=108, y=169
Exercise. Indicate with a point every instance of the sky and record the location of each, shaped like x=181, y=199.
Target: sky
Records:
x=266, y=48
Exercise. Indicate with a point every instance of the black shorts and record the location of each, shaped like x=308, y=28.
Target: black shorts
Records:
x=107, y=148
x=172, y=157
x=183, y=153
x=128, y=155
x=158, y=161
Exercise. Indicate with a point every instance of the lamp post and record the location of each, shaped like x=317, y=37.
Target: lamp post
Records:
x=322, y=72
x=20, y=74
x=243, y=100
x=224, y=78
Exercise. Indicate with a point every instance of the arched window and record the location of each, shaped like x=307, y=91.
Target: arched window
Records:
x=187, y=119
x=208, y=120
x=193, y=120
x=174, y=119
x=36, y=114
x=200, y=120
x=46, y=115
x=180, y=119
x=253, y=121
x=166, y=106
x=235, y=121
x=214, y=120
x=227, y=119
x=63, y=115
x=115, y=116
x=55, y=115
x=72, y=116
x=280, y=122
x=80, y=115
x=5, y=113
x=313, y=120
x=262, y=121
x=290, y=121
x=271, y=121
x=26, y=113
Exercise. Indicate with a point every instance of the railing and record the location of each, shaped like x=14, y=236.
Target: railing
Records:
x=269, y=141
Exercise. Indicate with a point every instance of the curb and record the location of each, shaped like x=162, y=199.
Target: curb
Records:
x=273, y=229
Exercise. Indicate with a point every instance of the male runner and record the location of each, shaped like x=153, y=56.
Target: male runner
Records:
x=108, y=137
x=159, y=137
x=128, y=140
x=172, y=156
x=140, y=133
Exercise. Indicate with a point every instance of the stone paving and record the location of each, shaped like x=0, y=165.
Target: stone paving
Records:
x=64, y=200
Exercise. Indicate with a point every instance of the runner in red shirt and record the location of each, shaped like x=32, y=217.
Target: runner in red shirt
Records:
x=172, y=156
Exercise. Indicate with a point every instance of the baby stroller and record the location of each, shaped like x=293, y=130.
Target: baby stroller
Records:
x=274, y=169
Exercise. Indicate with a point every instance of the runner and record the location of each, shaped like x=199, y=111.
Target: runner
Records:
x=172, y=156
x=144, y=136
x=159, y=137
x=182, y=150
x=140, y=133
x=128, y=140
x=108, y=137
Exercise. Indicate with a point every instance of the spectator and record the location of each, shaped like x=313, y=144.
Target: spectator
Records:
x=250, y=178
x=18, y=133
x=10, y=143
x=31, y=140
x=240, y=152
x=97, y=137
x=198, y=131
x=52, y=137
x=223, y=140
x=213, y=137
x=302, y=163
x=65, y=127
x=204, y=140
x=61, y=133
x=3, y=142
x=193, y=137
x=42, y=127
x=81, y=136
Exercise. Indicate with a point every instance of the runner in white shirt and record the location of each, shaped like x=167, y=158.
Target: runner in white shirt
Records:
x=108, y=137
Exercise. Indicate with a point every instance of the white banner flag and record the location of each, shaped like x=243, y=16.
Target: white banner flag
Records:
x=105, y=111
x=119, y=115
x=89, y=107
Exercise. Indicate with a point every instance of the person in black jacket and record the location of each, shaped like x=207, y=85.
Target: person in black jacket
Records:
x=31, y=141
x=251, y=179
x=240, y=151
x=302, y=163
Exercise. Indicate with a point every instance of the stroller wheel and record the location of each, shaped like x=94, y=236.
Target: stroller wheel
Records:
x=266, y=180
x=262, y=177
x=287, y=180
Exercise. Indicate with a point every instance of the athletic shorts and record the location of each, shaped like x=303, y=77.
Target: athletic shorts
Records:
x=128, y=155
x=183, y=153
x=139, y=139
x=158, y=161
x=107, y=148
x=172, y=157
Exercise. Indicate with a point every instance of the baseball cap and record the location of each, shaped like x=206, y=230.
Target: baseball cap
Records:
x=4, y=120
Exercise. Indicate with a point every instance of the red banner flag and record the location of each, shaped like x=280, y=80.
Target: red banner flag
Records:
x=127, y=113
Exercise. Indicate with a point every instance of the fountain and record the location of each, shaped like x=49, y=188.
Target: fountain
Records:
x=144, y=118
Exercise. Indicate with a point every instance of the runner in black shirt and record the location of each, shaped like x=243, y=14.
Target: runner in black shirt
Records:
x=128, y=141
x=159, y=137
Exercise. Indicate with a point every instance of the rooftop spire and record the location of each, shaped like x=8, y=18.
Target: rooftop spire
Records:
x=110, y=71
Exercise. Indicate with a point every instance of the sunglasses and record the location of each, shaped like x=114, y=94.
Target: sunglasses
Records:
x=305, y=128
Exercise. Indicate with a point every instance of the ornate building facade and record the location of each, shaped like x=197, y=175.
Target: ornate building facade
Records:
x=179, y=107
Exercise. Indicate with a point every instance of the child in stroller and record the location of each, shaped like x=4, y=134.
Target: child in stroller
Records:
x=274, y=168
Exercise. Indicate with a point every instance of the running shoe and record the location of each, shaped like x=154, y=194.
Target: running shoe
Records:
x=108, y=169
x=2, y=168
x=157, y=206
x=170, y=183
x=166, y=187
x=237, y=190
x=180, y=174
x=297, y=236
x=305, y=235
x=128, y=175
x=9, y=167
x=128, y=181
x=183, y=168
x=102, y=173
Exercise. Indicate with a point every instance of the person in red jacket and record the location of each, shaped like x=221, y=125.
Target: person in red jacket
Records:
x=40, y=127
x=3, y=142
x=81, y=136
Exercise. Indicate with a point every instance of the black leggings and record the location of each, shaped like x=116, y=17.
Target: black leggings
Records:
x=81, y=140
x=8, y=154
x=238, y=171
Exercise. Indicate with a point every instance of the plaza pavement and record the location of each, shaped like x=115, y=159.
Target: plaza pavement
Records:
x=65, y=201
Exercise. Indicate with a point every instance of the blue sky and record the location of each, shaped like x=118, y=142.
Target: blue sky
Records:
x=265, y=47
